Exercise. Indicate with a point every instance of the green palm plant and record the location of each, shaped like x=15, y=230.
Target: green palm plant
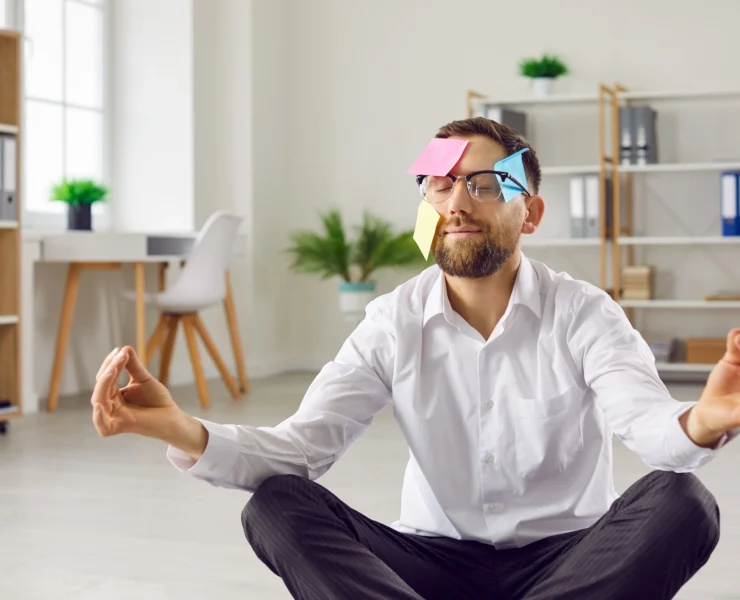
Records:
x=329, y=253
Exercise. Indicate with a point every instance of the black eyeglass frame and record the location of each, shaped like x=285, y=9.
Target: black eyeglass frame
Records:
x=502, y=174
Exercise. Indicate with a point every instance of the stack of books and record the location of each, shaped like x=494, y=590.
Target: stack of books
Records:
x=637, y=282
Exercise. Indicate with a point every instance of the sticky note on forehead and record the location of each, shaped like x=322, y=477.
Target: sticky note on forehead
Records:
x=427, y=219
x=514, y=166
x=438, y=157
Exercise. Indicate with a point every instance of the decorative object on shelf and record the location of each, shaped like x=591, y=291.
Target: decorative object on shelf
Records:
x=330, y=253
x=79, y=195
x=637, y=282
x=543, y=71
x=730, y=203
x=705, y=351
x=638, y=136
x=664, y=350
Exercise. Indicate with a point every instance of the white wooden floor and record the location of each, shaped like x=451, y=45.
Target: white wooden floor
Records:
x=86, y=518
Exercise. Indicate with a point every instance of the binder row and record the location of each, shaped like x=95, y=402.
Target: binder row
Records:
x=585, y=205
x=638, y=137
x=8, y=177
x=730, y=202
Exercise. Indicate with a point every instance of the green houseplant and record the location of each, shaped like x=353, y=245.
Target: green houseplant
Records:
x=543, y=71
x=79, y=195
x=330, y=253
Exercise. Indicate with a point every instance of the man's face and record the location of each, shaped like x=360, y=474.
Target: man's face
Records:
x=475, y=239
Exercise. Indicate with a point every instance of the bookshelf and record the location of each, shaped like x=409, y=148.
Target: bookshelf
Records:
x=10, y=236
x=627, y=187
x=478, y=103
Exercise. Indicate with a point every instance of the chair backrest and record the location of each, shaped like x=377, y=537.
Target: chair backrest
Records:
x=203, y=277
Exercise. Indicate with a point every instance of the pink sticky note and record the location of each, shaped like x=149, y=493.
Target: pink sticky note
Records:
x=438, y=157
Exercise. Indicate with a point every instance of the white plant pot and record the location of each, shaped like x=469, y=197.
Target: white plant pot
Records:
x=543, y=86
x=354, y=298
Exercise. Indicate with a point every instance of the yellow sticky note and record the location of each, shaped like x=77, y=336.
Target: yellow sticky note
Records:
x=427, y=220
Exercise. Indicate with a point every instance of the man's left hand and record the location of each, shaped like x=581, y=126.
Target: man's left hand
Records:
x=718, y=409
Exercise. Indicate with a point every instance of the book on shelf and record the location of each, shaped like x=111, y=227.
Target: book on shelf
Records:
x=638, y=135
x=730, y=203
x=637, y=282
x=6, y=407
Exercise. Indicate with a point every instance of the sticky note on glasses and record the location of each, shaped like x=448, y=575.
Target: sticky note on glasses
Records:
x=438, y=157
x=514, y=166
x=427, y=219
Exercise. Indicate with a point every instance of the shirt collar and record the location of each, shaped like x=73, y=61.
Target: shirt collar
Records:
x=526, y=292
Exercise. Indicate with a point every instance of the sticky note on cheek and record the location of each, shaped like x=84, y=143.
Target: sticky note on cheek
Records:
x=427, y=219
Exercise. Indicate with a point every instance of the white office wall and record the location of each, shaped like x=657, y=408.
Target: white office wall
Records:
x=372, y=81
x=152, y=115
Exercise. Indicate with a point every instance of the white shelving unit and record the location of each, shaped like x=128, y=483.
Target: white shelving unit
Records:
x=8, y=319
x=571, y=170
x=681, y=167
x=535, y=242
x=8, y=224
x=679, y=241
x=631, y=242
x=12, y=129
x=556, y=99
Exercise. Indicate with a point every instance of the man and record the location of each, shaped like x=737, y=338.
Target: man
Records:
x=508, y=381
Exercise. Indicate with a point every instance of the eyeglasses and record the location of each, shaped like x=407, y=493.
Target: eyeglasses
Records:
x=484, y=186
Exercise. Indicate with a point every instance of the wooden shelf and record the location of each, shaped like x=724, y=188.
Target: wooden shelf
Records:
x=681, y=167
x=680, y=304
x=11, y=46
x=679, y=241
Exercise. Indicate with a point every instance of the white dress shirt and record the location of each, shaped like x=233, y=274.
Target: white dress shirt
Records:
x=510, y=438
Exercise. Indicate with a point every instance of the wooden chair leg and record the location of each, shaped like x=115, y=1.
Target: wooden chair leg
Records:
x=200, y=379
x=74, y=273
x=165, y=358
x=234, y=333
x=155, y=341
x=211, y=347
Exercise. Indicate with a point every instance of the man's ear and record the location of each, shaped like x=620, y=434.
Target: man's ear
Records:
x=534, y=207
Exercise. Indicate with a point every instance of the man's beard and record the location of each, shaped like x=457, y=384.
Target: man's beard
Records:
x=480, y=256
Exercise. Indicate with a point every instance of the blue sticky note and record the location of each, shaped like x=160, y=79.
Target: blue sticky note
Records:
x=514, y=166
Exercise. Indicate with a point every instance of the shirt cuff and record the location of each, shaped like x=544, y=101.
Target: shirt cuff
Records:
x=217, y=460
x=686, y=454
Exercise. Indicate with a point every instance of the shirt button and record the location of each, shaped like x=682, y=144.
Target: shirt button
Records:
x=494, y=508
x=488, y=457
x=489, y=403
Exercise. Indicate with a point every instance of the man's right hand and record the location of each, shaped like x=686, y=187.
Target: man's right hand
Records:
x=144, y=406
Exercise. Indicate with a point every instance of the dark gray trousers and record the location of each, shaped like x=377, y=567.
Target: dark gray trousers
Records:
x=647, y=546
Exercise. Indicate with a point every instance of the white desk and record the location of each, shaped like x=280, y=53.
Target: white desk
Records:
x=83, y=250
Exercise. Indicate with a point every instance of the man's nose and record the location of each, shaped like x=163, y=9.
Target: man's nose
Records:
x=460, y=200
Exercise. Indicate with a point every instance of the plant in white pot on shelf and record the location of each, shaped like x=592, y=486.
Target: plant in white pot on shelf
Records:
x=543, y=71
x=329, y=253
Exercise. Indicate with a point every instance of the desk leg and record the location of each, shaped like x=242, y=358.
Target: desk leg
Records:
x=74, y=272
x=235, y=339
x=140, y=314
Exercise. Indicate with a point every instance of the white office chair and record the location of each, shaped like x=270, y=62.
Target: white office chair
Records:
x=202, y=283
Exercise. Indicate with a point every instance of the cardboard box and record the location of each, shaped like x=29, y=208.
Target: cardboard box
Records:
x=705, y=351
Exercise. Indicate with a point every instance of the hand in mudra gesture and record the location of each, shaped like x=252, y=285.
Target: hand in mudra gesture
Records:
x=144, y=406
x=718, y=409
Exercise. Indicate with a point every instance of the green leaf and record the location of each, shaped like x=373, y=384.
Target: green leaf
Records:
x=79, y=191
x=326, y=255
x=547, y=66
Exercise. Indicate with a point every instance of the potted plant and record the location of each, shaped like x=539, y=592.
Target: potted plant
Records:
x=329, y=253
x=543, y=71
x=79, y=195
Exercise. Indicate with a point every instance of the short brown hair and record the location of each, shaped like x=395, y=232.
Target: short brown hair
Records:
x=502, y=134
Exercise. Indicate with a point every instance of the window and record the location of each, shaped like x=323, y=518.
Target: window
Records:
x=65, y=100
